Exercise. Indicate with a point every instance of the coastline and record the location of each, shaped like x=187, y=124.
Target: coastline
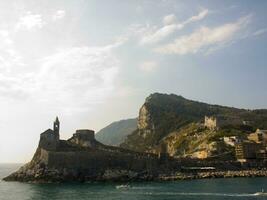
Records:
x=128, y=176
x=216, y=174
x=82, y=158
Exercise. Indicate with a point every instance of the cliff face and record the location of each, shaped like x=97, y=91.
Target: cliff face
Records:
x=144, y=119
x=163, y=114
x=145, y=122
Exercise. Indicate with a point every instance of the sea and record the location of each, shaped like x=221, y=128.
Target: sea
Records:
x=208, y=189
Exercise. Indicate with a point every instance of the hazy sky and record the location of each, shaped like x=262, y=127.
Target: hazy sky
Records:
x=94, y=62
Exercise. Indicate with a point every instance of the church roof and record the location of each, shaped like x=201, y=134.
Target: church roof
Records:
x=48, y=131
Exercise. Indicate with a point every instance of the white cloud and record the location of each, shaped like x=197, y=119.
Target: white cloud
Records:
x=154, y=36
x=9, y=57
x=198, y=17
x=14, y=87
x=260, y=32
x=5, y=38
x=71, y=80
x=169, y=19
x=30, y=21
x=59, y=15
x=78, y=77
x=148, y=66
x=160, y=34
x=139, y=30
x=204, y=38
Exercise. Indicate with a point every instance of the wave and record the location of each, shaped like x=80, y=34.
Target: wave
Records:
x=207, y=194
x=192, y=194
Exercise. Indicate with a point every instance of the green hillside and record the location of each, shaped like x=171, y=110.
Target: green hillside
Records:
x=162, y=114
x=116, y=132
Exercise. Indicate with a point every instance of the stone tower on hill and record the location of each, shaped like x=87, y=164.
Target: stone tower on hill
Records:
x=219, y=121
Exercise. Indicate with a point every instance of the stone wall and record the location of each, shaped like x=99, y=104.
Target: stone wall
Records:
x=96, y=161
x=48, y=140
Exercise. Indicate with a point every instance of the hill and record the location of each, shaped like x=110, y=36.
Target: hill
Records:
x=116, y=132
x=164, y=114
x=196, y=141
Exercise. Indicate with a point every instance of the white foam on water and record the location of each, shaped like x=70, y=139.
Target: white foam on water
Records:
x=192, y=194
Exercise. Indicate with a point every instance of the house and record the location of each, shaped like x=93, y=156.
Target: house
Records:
x=260, y=136
x=247, y=150
x=232, y=140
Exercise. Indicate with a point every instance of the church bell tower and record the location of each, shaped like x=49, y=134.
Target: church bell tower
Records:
x=56, y=127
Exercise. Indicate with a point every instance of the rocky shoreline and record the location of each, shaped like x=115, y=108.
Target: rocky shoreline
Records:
x=50, y=176
x=215, y=174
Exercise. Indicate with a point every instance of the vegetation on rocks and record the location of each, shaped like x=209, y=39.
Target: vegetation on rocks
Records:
x=162, y=116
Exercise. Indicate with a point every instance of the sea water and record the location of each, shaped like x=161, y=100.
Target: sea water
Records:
x=208, y=189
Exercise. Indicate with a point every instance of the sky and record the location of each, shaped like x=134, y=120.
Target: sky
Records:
x=93, y=62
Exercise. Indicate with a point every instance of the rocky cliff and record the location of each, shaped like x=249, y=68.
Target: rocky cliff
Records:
x=163, y=115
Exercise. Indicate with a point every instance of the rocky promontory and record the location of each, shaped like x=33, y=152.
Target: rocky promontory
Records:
x=83, y=158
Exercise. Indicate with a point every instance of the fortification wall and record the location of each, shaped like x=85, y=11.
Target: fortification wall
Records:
x=98, y=161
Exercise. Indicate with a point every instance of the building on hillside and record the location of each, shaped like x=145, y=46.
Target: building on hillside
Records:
x=247, y=150
x=216, y=122
x=260, y=136
x=50, y=138
x=232, y=140
x=262, y=154
x=84, y=138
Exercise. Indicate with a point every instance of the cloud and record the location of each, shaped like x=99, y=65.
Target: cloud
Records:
x=160, y=34
x=260, y=32
x=30, y=21
x=154, y=36
x=9, y=57
x=198, y=17
x=204, y=38
x=68, y=81
x=169, y=19
x=148, y=66
x=77, y=77
x=60, y=14
x=14, y=87
x=5, y=38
